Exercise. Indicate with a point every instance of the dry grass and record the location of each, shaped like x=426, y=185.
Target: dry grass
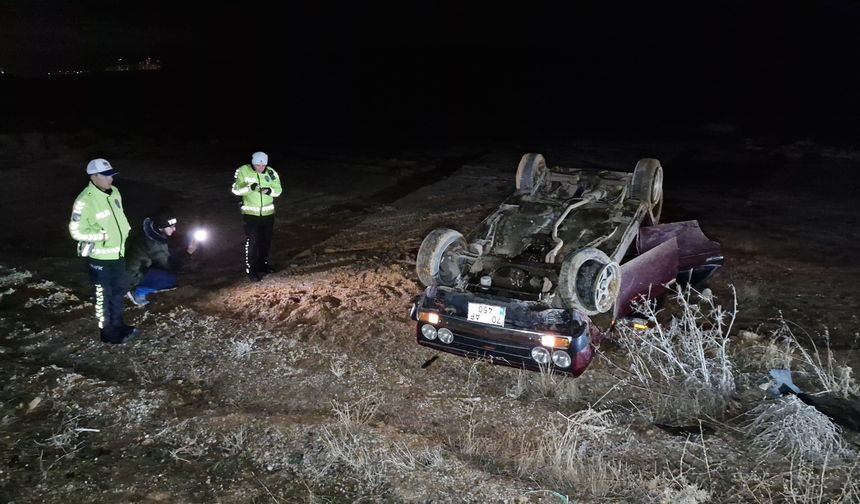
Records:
x=369, y=458
x=189, y=446
x=152, y=376
x=567, y=452
x=544, y=385
x=758, y=354
x=234, y=441
x=355, y=450
x=63, y=443
x=372, y=460
x=833, y=376
x=356, y=414
x=802, y=482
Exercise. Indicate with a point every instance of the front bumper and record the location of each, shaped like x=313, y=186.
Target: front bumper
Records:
x=511, y=345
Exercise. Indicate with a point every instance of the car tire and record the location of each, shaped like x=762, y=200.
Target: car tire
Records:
x=647, y=186
x=589, y=281
x=435, y=264
x=531, y=173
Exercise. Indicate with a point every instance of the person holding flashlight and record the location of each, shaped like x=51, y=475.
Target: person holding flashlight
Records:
x=258, y=184
x=150, y=266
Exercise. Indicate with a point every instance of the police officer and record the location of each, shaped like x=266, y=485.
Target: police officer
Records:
x=258, y=184
x=99, y=225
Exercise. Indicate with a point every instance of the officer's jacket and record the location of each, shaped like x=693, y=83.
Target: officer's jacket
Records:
x=98, y=217
x=255, y=202
x=146, y=250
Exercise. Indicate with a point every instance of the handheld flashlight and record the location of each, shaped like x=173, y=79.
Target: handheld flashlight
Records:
x=200, y=235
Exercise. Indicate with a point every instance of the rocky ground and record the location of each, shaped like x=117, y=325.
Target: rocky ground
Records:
x=309, y=386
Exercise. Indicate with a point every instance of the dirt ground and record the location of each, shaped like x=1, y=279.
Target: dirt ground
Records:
x=309, y=386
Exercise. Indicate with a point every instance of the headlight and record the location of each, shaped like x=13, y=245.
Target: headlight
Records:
x=428, y=331
x=445, y=335
x=540, y=354
x=560, y=359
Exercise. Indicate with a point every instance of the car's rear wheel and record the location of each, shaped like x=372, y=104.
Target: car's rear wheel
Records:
x=589, y=281
x=531, y=172
x=439, y=260
x=647, y=186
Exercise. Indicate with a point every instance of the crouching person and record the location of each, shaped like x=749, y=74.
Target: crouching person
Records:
x=150, y=266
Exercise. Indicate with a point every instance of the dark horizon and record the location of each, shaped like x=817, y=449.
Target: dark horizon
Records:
x=423, y=73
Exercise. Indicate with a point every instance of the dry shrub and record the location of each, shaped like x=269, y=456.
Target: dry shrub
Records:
x=683, y=364
x=788, y=426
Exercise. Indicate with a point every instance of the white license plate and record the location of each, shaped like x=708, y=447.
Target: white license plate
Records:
x=487, y=314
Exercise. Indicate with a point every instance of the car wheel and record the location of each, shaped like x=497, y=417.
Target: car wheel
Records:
x=439, y=261
x=531, y=172
x=647, y=186
x=589, y=281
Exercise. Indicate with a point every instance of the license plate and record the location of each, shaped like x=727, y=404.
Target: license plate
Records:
x=487, y=314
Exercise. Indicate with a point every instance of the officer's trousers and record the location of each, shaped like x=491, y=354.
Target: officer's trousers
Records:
x=258, y=240
x=109, y=280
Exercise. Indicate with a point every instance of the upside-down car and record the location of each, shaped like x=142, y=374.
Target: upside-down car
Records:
x=538, y=283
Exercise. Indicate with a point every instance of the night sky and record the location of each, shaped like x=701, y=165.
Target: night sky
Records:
x=428, y=71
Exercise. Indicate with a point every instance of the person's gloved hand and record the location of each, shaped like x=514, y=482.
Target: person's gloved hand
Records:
x=255, y=186
x=266, y=190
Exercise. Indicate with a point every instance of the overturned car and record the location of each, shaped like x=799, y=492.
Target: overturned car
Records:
x=541, y=279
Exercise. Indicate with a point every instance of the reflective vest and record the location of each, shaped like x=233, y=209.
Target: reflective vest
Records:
x=255, y=202
x=98, y=218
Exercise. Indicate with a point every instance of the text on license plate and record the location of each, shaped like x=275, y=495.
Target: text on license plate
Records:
x=487, y=314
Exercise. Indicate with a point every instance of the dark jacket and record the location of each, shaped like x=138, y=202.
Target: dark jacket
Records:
x=147, y=250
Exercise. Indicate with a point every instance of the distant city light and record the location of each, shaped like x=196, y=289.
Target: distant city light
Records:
x=119, y=65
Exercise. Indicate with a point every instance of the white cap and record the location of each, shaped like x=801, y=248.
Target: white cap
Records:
x=259, y=158
x=100, y=166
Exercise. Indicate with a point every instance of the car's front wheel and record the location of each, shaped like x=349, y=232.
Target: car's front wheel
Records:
x=647, y=186
x=440, y=260
x=589, y=281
